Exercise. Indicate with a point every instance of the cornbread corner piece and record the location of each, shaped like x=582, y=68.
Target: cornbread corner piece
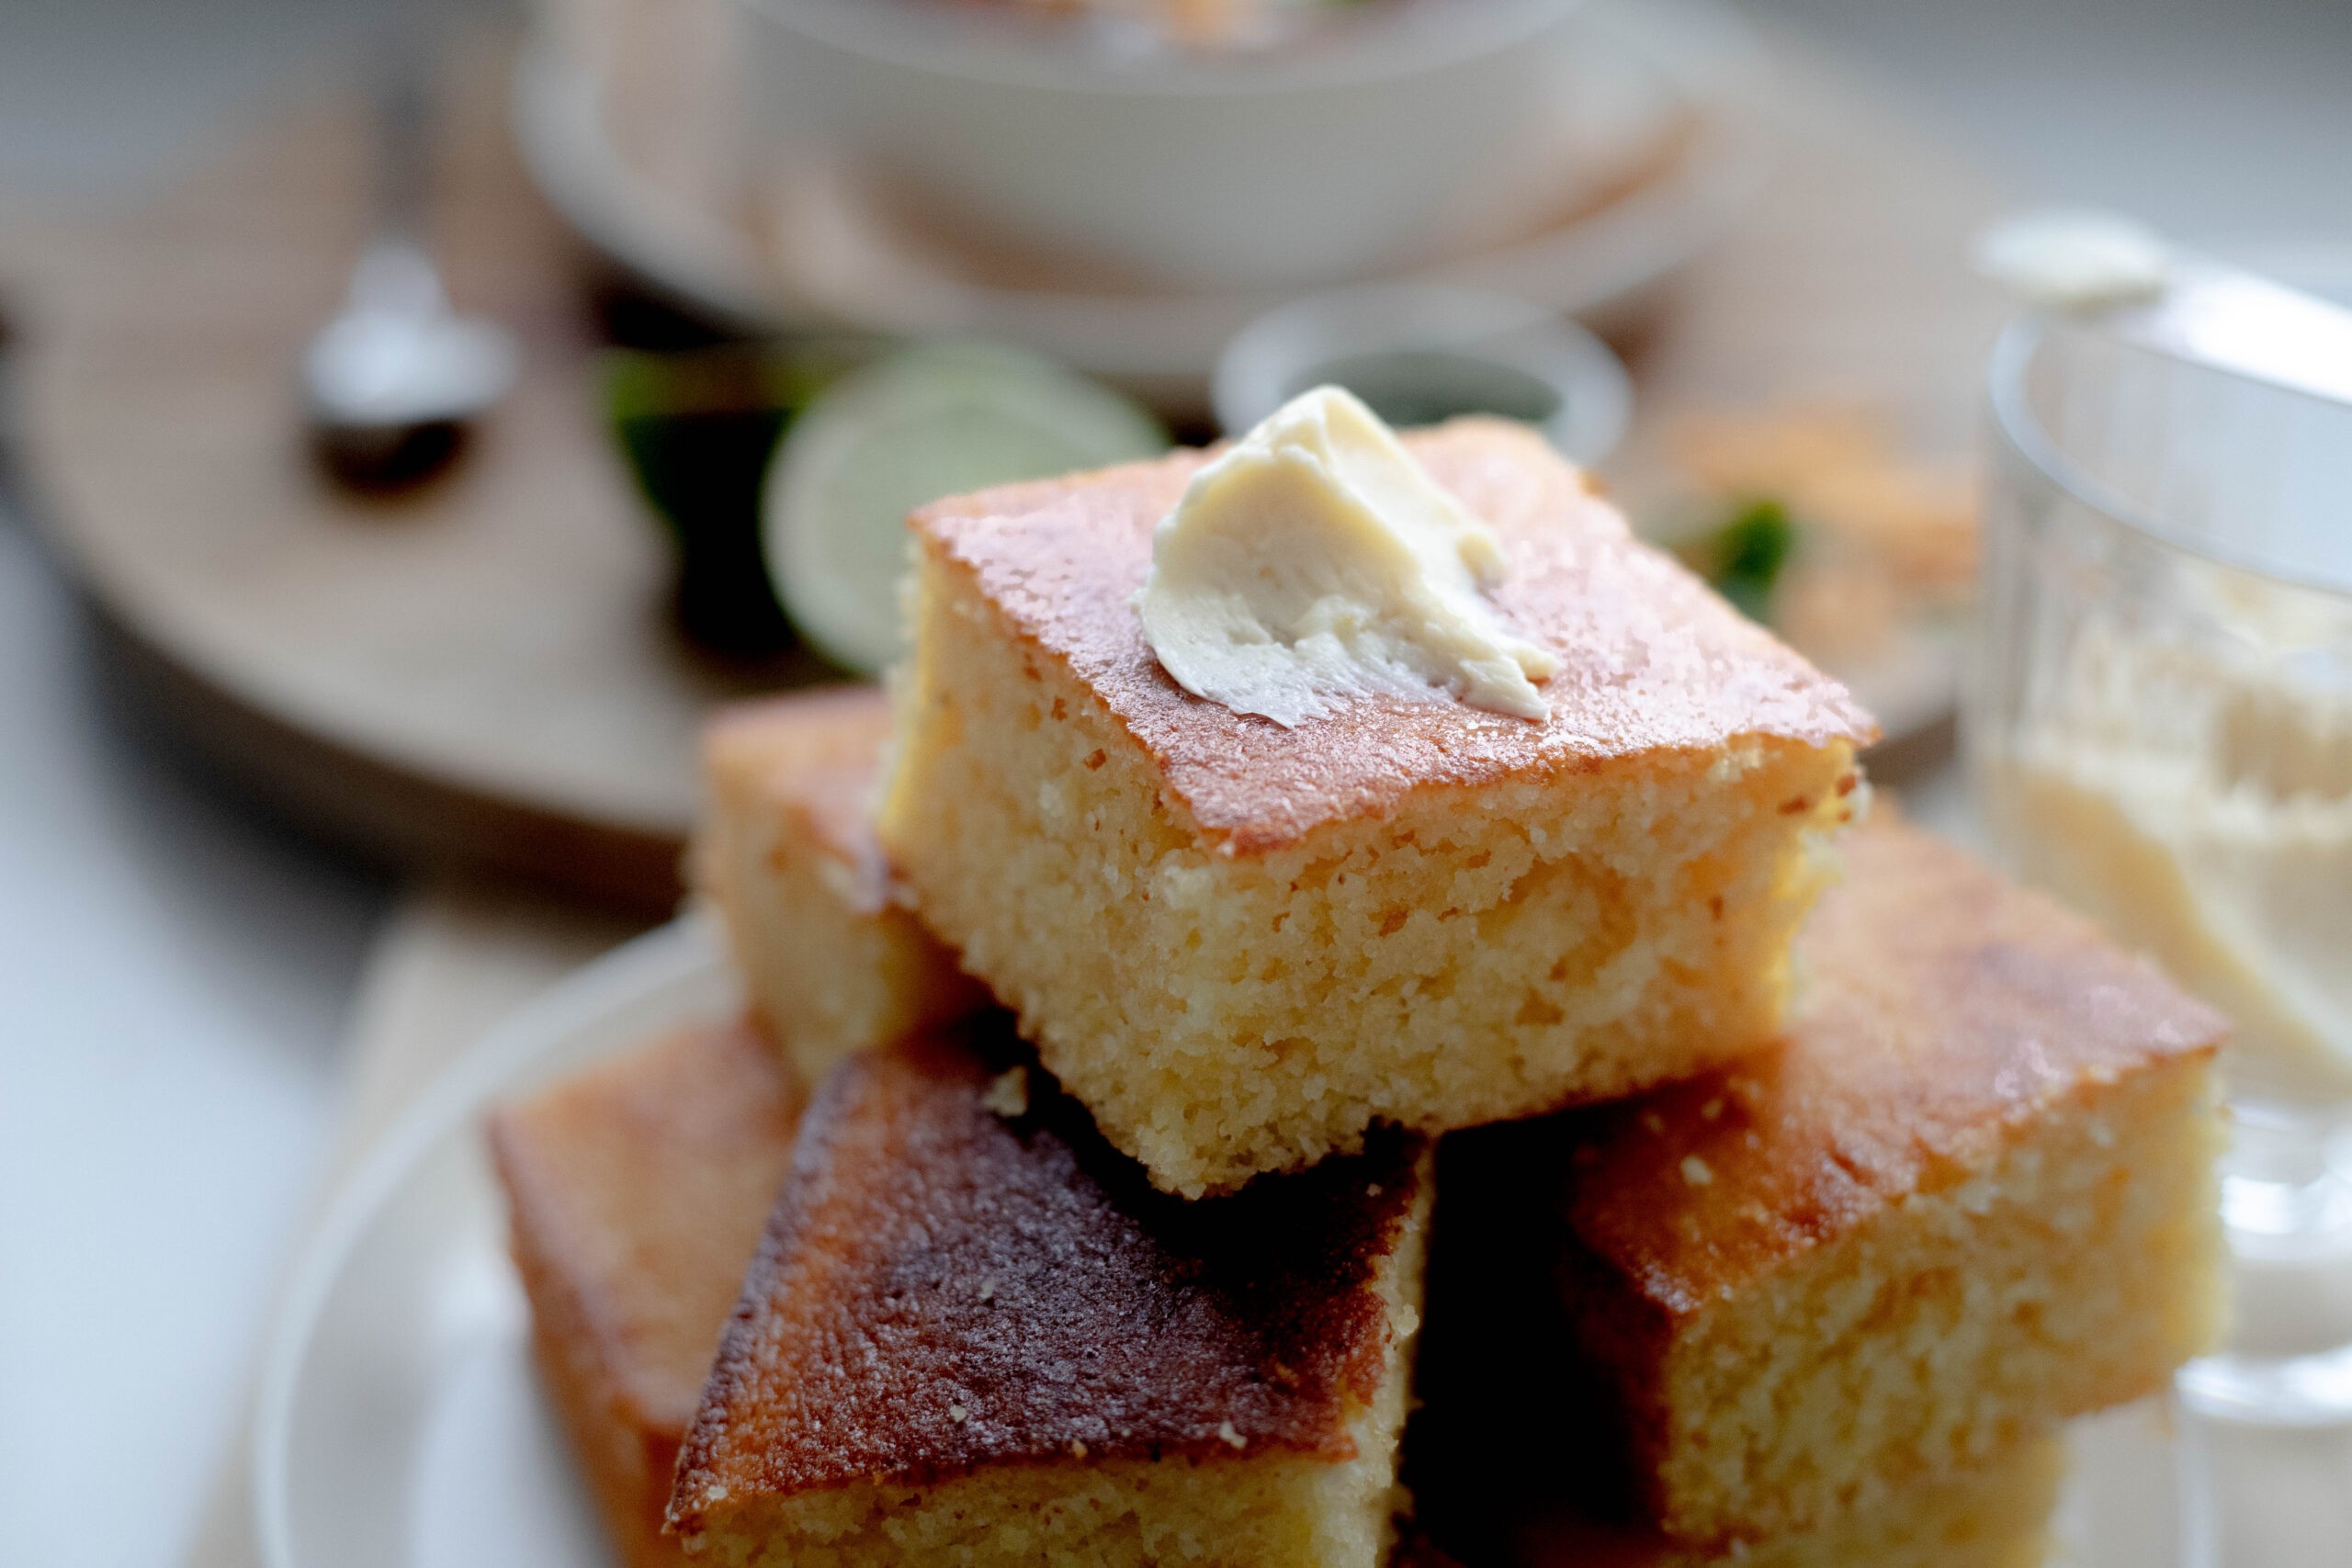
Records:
x=635, y=1192
x=1996, y=1515
x=977, y=1335
x=1241, y=945
x=1971, y=1196
x=786, y=852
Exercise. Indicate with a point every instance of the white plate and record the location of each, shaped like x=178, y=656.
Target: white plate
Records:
x=400, y=1424
x=825, y=258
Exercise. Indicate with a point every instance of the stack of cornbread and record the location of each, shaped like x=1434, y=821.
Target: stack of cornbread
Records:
x=1162, y=1134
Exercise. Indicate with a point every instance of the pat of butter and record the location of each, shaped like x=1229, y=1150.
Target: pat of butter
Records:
x=1317, y=560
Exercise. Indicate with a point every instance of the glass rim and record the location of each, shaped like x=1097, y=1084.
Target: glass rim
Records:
x=2024, y=434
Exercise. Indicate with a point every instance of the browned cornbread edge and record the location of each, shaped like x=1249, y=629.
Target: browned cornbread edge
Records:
x=1011, y=1242
x=1938, y=1127
x=786, y=854
x=1640, y=1281
x=627, y=1454
x=621, y=1420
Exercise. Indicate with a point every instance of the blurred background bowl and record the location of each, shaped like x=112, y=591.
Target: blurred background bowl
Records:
x=1650, y=137
x=1314, y=157
x=1420, y=353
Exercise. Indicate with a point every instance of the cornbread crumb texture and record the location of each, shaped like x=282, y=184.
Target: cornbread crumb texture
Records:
x=1971, y=1196
x=1996, y=1515
x=636, y=1190
x=1409, y=911
x=976, y=1337
x=1413, y=913
x=786, y=852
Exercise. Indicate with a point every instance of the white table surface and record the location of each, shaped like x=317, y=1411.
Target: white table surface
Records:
x=176, y=971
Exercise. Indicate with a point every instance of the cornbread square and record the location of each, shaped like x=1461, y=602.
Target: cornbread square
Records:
x=976, y=1335
x=1972, y=1195
x=786, y=853
x=635, y=1192
x=1996, y=1515
x=1241, y=945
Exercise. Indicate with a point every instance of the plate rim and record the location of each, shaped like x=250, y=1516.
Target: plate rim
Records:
x=670, y=956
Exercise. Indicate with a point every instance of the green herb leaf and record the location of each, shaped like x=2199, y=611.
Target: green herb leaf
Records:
x=1744, y=559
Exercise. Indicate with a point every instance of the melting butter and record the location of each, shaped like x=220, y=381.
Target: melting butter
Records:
x=1316, y=560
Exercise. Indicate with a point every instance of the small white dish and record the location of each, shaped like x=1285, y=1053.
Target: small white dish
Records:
x=1420, y=353
x=399, y=1423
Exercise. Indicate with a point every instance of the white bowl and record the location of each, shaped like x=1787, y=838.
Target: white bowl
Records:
x=1307, y=161
x=1655, y=139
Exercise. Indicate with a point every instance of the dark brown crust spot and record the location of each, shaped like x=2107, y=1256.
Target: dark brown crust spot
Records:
x=927, y=1253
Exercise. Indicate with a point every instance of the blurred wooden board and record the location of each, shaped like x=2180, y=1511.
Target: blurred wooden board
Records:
x=483, y=673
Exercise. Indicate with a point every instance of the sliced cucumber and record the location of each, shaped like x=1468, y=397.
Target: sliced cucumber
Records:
x=923, y=423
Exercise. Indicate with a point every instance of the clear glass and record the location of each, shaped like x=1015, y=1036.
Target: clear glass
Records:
x=2159, y=730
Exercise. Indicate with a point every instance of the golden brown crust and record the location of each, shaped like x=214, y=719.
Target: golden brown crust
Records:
x=1945, y=1007
x=943, y=1287
x=635, y=1192
x=1652, y=659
